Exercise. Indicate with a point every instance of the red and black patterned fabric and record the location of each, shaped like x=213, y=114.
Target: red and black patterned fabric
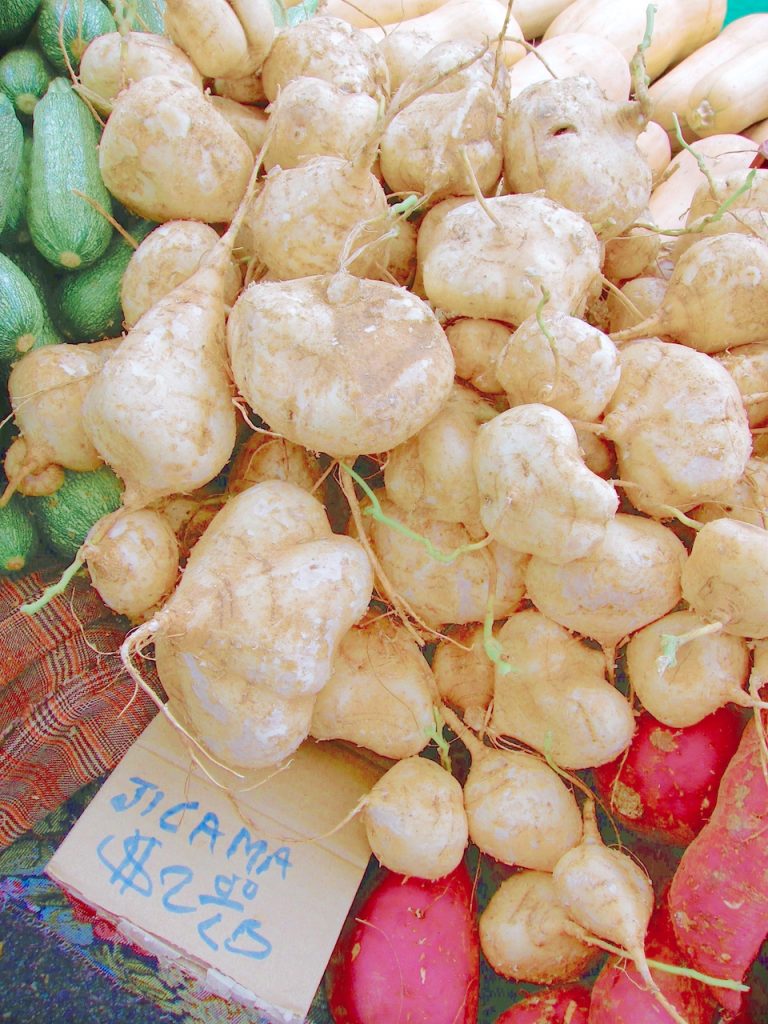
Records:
x=68, y=710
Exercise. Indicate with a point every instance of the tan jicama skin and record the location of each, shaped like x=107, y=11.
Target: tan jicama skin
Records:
x=476, y=345
x=34, y=484
x=166, y=153
x=748, y=365
x=523, y=933
x=160, y=412
x=499, y=268
x=246, y=89
x=433, y=470
x=306, y=218
x=134, y=564
x=707, y=672
x=114, y=60
x=380, y=694
x=724, y=579
x=250, y=633
x=654, y=145
x=519, y=810
x=566, y=364
x=608, y=896
x=645, y=294
x=338, y=364
x=717, y=295
x=564, y=137
x=222, y=39
x=47, y=388
x=464, y=672
x=632, y=253
x=435, y=135
x=415, y=819
x=327, y=48
x=242, y=725
x=537, y=495
x=250, y=123
x=574, y=53
x=312, y=117
x=556, y=699
x=679, y=427
x=746, y=500
x=747, y=212
x=262, y=457
x=631, y=578
x=402, y=51
x=455, y=592
x=167, y=257
x=598, y=454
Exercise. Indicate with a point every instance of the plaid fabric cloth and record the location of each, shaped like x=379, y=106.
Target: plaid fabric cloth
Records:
x=68, y=711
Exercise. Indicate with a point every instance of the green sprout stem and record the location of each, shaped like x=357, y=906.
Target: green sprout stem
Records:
x=640, y=79
x=437, y=735
x=32, y=607
x=492, y=647
x=685, y=972
x=375, y=511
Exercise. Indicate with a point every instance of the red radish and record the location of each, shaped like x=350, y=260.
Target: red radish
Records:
x=566, y=1004
x=665, y=785
x=619, y=995
x=410, y=956
x=718, y=897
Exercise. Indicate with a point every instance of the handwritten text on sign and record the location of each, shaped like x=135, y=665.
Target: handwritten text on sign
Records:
x=252, y=887
x=135, y=861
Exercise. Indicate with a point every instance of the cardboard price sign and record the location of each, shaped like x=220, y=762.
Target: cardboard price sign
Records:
x=249, y=890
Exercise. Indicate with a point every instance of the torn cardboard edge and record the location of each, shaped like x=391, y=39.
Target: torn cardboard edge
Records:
x=246, y=892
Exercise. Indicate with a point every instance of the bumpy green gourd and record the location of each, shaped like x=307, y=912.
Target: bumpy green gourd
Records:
x=65, y=228
x=75, y=23
x=22, y=319
x=19, y=540
x=16, y=17
x=65, y=517
x=139, y=15
x=11, y=154
x=24, y=78
x=87, y=303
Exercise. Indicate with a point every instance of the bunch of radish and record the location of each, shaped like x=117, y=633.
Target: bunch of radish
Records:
x=438, y=422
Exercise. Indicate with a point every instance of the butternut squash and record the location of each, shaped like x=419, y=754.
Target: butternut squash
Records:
x=733, y=95
x=669, y=94
x=471, y=21
x=574, y=53
x=680, y=26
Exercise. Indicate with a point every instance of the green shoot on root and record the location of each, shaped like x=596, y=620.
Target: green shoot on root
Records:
x=684, y=972
x=639, y=74
x=670, y=642
x=437, y=735
x=375, y=511
x=32, y=607
x=492, y=647
x=711, y=218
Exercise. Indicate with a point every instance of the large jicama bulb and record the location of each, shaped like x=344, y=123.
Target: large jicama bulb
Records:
x=560, y=361
x=380, y=694
x=524, y=936
x=446, y=589
x=499, y=260
x=556, y=698
x=564, y=137
x=536, y=493
x=338, y=364
x=250, y=634
x=629, y=579
x=415, y=819
x=679, y=427
x=432, y=472
x=167, y=153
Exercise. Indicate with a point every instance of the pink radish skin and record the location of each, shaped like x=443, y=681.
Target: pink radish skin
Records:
x=718, y=898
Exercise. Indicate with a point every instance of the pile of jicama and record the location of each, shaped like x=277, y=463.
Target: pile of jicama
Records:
x=438, y=419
